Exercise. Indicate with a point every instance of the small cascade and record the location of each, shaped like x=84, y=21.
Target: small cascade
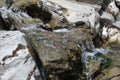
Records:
x=62, y=37
x=61, y=30
x=91, y=59
x=14, y=18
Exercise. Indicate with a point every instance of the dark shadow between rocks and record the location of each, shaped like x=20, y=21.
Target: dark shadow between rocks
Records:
x=35, y=11
x=5, y=25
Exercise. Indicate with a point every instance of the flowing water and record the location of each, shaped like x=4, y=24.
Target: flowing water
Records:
x=97, y=54
x=90, y=55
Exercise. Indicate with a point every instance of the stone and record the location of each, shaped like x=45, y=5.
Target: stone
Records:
x=116, y=24
x=45, y=11
x=118, y=17
x=23, y=3
x=58, y=21
x=112, y=34
x=2, y=3
x=16, y=62
x=60, y=53
x=117, y=3
x=113, y=9
x=110, y=31
x=98, y=2
x=16, y=20
x=86, y=13
x=103, y=63
x=107, y=16
x=35, y=9
x=65, y=39
x=71, y=13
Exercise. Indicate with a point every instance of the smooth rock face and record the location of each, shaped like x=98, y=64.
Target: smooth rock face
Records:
x=118, y=17
x=80, y=12
x=16, y=62
x=117, y=24
x=76, y=12
x=60, y=53
x=107, y=16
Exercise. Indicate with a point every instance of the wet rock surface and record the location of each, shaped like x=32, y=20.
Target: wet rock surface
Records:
x=15, y=20
x=64, y=39
x=61, y=53
x=111, y=72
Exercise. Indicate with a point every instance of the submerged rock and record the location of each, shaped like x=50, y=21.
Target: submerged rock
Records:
x=16, y=62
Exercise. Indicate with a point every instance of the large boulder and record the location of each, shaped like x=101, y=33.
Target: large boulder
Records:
x=61, y=52
x=16, y=62
x=80, y=12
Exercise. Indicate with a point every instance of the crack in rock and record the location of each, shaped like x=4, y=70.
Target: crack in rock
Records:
x=113, y=77
x=20, y=46
x=31, y=73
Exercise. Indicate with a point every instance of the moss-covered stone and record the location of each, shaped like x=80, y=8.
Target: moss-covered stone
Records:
x=60, y=53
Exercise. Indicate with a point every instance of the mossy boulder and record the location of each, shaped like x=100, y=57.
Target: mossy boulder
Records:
x=60, y=53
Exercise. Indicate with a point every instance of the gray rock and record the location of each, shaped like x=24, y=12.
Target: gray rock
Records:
x=107, y=16
x=112, y=8
x=16, y=62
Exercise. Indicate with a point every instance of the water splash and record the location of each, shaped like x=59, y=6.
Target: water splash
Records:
x=97, y=54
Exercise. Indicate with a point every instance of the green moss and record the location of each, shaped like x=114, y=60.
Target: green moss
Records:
x=107, y=71
x=108, y=66
x=109, y=62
